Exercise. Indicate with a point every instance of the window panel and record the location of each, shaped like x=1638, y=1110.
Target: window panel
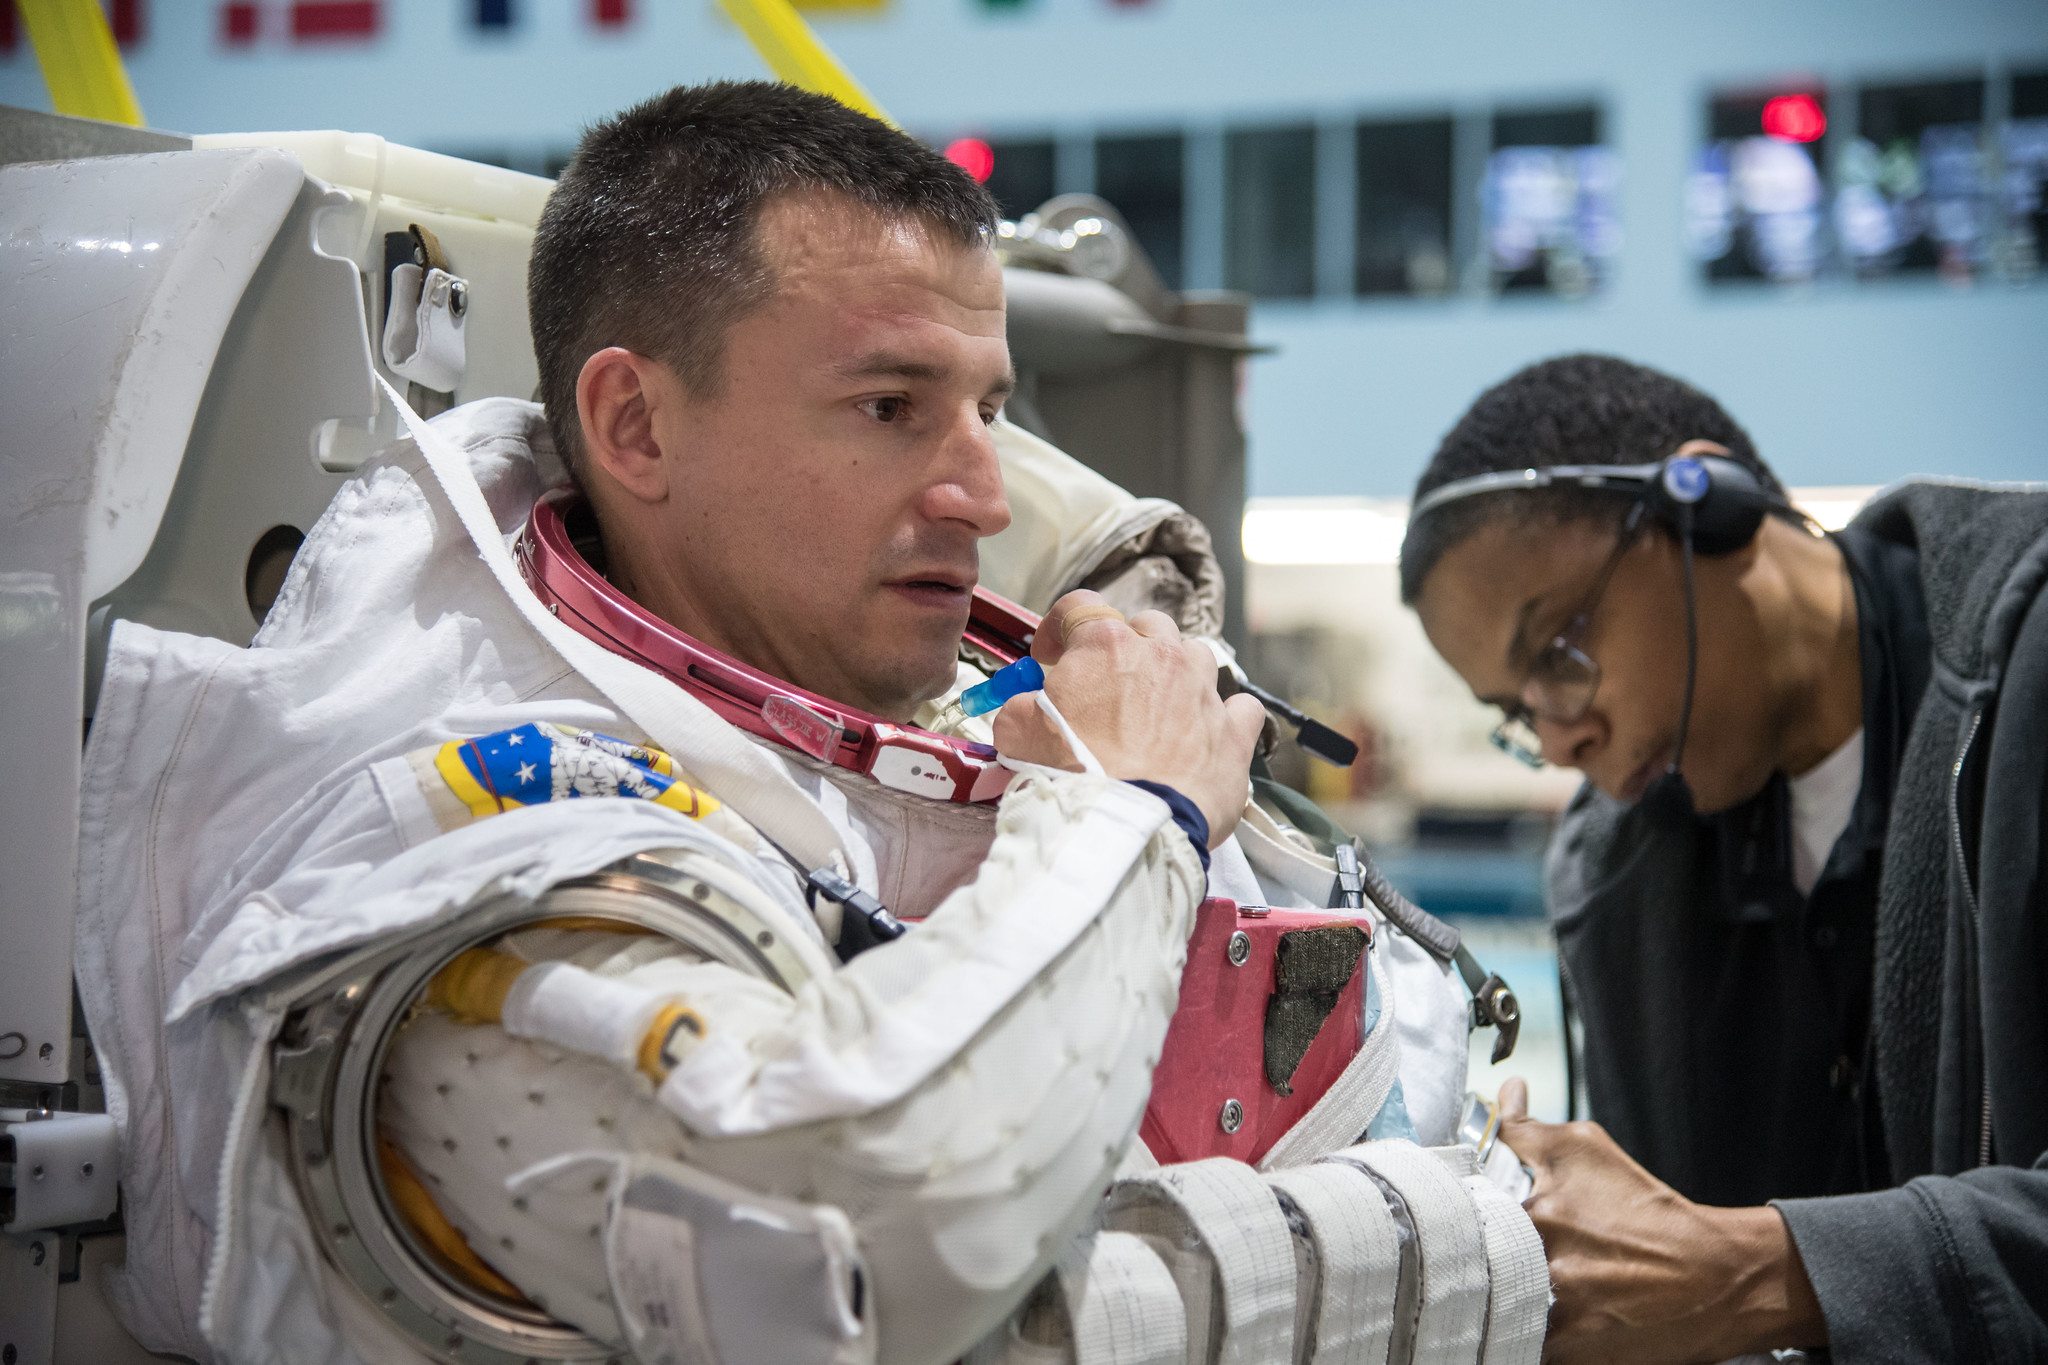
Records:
x=1021, y=176
x=1913, y=190
x=1551, y=195
x=1143, y=177
x=1578, y=126
x=2023, y=150
x=1754, y=201
x=1269, y=227
x=1404, y=207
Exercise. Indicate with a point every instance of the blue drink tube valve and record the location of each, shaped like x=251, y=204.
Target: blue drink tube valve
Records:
x=1023, y=676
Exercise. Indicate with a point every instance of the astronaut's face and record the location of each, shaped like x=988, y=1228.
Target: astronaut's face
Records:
x=817, y=515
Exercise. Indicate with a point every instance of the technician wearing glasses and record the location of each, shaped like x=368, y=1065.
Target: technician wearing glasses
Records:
x=1802, y=899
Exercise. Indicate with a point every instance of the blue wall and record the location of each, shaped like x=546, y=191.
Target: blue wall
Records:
x=1840, y=383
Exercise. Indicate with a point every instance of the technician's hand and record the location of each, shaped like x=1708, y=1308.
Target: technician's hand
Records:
x=1643, y=1274
x=1144, y=700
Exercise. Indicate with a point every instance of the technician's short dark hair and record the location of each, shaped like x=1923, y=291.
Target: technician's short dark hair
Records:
x=1575, y=409
x=649, y=240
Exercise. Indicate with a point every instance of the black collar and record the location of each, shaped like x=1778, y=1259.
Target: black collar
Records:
x=1896, y=653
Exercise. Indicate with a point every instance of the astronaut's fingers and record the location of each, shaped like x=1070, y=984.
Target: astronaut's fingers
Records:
x=1081, y=616
x=1514, y=1099
x=1024, y=733
x=1155, y=625
x=1077, y=611
x=1246, y=718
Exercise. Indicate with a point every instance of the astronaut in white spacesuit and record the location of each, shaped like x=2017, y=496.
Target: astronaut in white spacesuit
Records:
x=771, y=339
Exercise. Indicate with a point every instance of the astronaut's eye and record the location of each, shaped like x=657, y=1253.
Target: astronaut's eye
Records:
x=890, y=409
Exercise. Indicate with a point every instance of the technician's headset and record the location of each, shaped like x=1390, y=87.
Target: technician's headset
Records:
x=1713, y=505
x=1712, y=502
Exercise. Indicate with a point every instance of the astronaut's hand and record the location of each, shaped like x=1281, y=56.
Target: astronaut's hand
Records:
x=1144, y=701
x=1642, y=1274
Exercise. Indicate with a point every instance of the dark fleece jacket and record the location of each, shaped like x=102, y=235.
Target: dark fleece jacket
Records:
x=1952, y=1264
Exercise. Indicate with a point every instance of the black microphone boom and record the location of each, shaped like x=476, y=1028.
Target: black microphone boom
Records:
x=1312, y=735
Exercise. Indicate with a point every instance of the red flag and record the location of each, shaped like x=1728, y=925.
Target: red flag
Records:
x=240, y=23
x=315, y=21
x=128, y=19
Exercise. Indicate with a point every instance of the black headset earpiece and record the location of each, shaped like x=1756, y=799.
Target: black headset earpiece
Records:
x=1728, y=502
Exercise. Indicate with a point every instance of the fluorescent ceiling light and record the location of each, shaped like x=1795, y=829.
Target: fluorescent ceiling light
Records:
x=1324, y=530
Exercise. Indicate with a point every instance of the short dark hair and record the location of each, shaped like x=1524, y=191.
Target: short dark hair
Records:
x=1575, y=409
x=649, y=239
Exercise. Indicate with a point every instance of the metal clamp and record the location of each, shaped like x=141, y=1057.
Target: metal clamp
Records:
x=57, y=1169
x=1479, y=1126
x=1494, y=1004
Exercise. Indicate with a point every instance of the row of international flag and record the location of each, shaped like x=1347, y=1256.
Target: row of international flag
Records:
x=128, y=18
x=247, y=23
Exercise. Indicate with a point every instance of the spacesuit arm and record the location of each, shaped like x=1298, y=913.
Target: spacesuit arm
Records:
x=1068, y=851
x=963, y=1094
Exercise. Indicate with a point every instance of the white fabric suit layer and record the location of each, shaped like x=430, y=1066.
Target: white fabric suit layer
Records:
x=240, y=829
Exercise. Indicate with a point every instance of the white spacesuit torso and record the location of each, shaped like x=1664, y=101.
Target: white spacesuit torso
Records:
x=944, y=1115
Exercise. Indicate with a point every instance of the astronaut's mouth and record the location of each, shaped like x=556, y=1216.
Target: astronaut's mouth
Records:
x=933, y=592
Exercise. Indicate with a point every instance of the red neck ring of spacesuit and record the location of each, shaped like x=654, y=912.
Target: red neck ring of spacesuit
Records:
x=896, y=755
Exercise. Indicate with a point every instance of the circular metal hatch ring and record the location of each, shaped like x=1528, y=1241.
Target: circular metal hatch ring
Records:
x=332, y=1050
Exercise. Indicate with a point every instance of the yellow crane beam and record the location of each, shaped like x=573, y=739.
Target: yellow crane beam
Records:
x=796, y=56
x=82, y=66
x=80, y=62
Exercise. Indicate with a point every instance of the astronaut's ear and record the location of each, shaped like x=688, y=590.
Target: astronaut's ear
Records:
x=617, y=395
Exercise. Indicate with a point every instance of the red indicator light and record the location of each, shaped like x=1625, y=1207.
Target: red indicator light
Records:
x=1794, y=118
x=973, y=156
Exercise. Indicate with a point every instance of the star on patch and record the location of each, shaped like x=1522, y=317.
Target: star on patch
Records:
x=526, y=771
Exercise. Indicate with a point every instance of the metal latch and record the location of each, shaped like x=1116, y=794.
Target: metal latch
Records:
x=1494, y=1003
x=57, y=1168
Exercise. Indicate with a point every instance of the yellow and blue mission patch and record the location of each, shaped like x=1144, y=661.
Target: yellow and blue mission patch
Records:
x=537, y=763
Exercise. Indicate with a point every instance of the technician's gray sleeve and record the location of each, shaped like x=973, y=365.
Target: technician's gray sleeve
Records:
x=1943, y=1269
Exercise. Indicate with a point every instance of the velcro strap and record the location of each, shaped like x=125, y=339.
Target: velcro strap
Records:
x=1122, y=1302
x=1518, y=1309
x=1221, y=1234
x=1108, y=1300
x=1316, y=960
x=1345, y=1311
x=1311, y=967
x=1450, y=1309
x=1341, y=1115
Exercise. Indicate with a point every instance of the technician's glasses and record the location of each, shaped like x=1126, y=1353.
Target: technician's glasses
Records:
x=1562, y=678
